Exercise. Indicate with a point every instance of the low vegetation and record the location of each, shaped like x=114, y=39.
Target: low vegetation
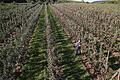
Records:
x=37, y=41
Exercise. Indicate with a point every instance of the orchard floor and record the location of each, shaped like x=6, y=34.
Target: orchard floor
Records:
x=36, y=67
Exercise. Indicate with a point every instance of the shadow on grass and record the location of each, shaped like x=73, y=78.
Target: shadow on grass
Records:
x=36, y=64
x=72, y=65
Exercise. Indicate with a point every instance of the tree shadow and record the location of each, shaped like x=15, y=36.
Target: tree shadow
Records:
x=72, y=65
x=36, y=63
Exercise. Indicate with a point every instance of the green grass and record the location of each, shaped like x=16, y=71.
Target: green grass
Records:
x=72, y=65
x=36, y=66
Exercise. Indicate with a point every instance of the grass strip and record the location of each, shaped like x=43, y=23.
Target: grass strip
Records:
x=72, y=65
x=36, y=64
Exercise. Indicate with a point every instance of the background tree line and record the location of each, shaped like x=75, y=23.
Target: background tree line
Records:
x=24, y=1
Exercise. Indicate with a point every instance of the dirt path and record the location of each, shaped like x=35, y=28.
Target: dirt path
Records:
x=55, y=70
